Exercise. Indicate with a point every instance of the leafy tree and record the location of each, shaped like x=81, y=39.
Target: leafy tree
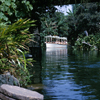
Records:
x=72, y=29
x=12, y=10
x=61, y=20
x=49, y=26
x=86, y=18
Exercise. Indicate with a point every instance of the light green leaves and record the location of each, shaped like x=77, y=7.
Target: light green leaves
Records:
x=2, y=1
x=13, y=5
x=1, y=15
x=8, y=2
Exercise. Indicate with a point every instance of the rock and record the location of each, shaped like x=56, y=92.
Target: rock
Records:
x=18, y=93
x=8, y=79
x=5, y=97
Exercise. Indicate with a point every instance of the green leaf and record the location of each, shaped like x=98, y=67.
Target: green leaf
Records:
x=13, y=0
x=13, y=5
x=1, y=7
x=5, y=8
x=31, y=7
x=27, y=3
x=8, y=2
x=23, y=1
x=1, y=15
x=5, y=18
x=9, y=12
x=2, y=1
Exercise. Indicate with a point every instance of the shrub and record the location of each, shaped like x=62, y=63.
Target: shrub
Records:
x=14, y=41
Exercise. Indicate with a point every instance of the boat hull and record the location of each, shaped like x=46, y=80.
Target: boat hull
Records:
x=51, y=45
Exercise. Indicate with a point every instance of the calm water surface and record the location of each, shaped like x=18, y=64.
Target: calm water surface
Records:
x=70, y=75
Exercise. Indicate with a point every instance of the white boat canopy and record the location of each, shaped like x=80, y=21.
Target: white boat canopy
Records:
x=56, y=37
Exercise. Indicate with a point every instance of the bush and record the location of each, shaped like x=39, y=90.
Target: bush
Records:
x=90, y=42
x=14, y=41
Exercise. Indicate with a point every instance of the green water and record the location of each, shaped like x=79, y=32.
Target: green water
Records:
x=70, y=75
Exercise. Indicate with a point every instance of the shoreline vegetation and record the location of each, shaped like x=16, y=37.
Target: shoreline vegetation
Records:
x=16, y=33
x=14, y=40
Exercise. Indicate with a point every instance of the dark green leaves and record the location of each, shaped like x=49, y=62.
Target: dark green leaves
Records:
x=12, y=10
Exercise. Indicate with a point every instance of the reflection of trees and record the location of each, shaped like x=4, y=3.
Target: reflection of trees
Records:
x=89, y=78
x=52, y=69
x=86, y=72
x=84, y=56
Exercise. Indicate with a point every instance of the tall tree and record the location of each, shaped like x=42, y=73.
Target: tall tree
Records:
x=72, y=29
x=55, y=25
x=86, y=18
x=61, y=23
x=49, y=26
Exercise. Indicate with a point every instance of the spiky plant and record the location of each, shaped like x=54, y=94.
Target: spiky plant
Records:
x=13, y=46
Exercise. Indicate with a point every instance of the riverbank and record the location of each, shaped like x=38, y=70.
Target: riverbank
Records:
x=9, y=92
x=10, y=89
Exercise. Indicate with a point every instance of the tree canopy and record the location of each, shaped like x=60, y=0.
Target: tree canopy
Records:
x=85, y=17
x=12, y=10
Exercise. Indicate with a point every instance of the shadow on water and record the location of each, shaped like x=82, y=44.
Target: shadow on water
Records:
x=70, y=75
x=36, y=69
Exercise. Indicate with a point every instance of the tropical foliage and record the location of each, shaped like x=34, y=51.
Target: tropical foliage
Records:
x=14, y=37
x=62, y=24
x=14, y=40
x=49, y=26
x=91, y=42
x=12, y=10
x=54, y=25
x=85, y=17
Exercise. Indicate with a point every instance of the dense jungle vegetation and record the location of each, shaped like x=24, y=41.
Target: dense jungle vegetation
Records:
x=19, y=18
x=81, y=26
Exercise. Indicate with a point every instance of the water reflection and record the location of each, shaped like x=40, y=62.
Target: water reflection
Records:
x=87, y=73
x=71, y=75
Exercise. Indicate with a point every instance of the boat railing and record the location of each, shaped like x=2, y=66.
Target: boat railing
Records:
x=56, y=39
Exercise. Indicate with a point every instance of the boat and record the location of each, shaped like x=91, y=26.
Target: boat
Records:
x=55, y=42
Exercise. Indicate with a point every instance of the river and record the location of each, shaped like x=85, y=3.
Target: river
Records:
x=70, y=75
